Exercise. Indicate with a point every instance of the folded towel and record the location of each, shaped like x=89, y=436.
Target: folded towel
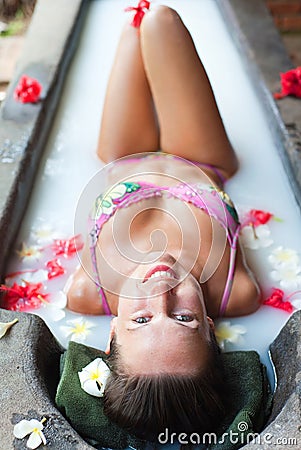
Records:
x=249, y=402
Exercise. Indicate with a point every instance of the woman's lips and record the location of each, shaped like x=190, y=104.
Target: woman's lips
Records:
x=168, y=272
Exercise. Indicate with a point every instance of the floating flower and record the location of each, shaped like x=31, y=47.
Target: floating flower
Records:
x=256, y=237
x=67, y=247
x=94, y=376
x=277, y=300
x=283, y=256
x=29, y=254
x=225, y=332
x=289, y=276
x=77, y=329
x=55, y=304
x=140, y=11
x=290, y=84
x=55, y=269
x=23, y=297
x=5, y=326
x=44, y=234
x=28, y=90
x=259, y=217
x=32, y=427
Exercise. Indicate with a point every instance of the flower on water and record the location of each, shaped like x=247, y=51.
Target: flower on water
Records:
x=94, y=376
x=26, y=276
x=67, y=247
x=140, y=11
x=77, y=329
x=256, y=237
x=289, y=276
x=55, y=268
x=277, y=300
x=28, y=90
x=290, y=84
x=225, y=332
x=23, y=297
x=258, y=217
x=284, y=256
x=44, y=234
x=55, y=304
x=5, y=326
x=29, y=254
x=32, y=427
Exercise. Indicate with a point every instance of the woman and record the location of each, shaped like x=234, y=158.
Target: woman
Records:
x=163, y=257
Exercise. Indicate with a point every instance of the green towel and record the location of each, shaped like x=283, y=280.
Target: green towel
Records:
x=249, y=395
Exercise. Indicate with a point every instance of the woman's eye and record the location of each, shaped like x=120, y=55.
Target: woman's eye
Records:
x=142, y=319
x=183, y=317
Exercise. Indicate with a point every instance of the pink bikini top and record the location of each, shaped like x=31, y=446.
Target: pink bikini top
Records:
x=214, y=202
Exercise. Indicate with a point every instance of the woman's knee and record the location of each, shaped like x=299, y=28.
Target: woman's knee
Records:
x=160, y=17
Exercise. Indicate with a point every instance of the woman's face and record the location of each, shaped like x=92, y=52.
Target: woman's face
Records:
x=163, y=327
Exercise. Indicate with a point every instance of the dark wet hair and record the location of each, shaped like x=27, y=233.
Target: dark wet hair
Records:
x=147, y=405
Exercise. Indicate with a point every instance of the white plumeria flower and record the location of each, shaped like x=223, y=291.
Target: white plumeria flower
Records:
x=55, y=306
x=289, y=277
x=284, y=256
x=32, y=427
x=29, y=254
x=225, y=332
x=44, y=234
x=77, y=329
x=256, y=237
x=105, y=204
x=94, y=376
x=5, y=326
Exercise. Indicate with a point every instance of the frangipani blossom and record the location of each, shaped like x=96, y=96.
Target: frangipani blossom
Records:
x=32, y=427
x=77, y=329
x=5, y=326
x=94, y=376
x=55, y=305
x=29, y=254
x=289, y=276
x=44, y=234
x=284, y=256
x=225, y=332
x=23, y=277
x=256, y=237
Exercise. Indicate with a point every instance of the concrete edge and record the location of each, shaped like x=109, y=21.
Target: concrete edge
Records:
x=24, y=128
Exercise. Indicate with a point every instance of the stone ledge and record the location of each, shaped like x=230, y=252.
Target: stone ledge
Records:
x=262, y=49
x=48, y=48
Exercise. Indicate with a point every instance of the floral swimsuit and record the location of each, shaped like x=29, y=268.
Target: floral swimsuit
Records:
x=213, y=201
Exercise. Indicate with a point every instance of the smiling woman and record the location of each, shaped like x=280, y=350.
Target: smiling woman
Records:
x=163, y=250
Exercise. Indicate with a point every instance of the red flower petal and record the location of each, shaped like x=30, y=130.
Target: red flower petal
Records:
x=290, y=83
x=140, y=11
x=276, y=301
x=28, y=90
x=259, y=217
x=67, y=247
x=55, y=269
x=22, y=298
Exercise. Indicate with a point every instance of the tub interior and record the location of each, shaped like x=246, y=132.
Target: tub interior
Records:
x=70, y=161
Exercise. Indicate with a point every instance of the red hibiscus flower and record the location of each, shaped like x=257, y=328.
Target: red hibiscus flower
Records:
x=67, y=247
x=290, y=84
x=55, y=269
x=22, y=298
x=259, y=217
x=140, y=11
x=28, y=90
x=276, y=300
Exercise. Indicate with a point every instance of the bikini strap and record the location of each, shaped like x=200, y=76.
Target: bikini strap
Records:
x=230, y=276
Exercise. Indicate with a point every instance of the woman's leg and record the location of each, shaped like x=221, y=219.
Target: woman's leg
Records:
x=129, y=123
x=189, y=120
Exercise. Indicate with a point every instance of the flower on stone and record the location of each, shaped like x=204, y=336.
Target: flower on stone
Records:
x=33, y=428
x=5, y=326
x=23, y=297
x=256, y=237
x=284, y=256
x=225, y=332
x=288, y=276
x=290, y=84
x=28, y=90
x=105, y=204
x=78, y=329
x=29, y=254
x=94, y=376
x=67, y=247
